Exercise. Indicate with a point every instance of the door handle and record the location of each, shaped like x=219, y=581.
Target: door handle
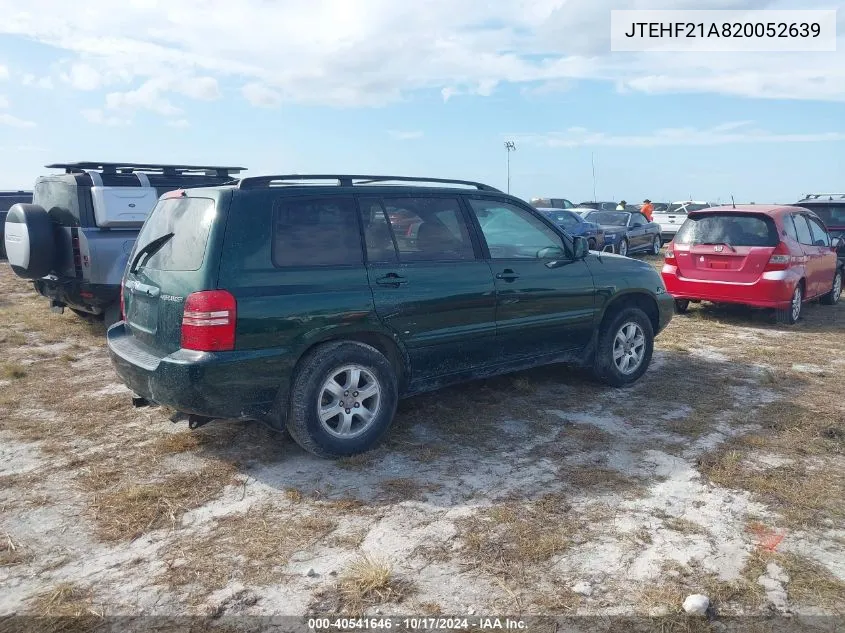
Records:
x=391, y=279
x=507, y=275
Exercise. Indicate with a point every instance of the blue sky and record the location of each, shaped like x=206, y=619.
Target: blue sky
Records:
x=431, y=88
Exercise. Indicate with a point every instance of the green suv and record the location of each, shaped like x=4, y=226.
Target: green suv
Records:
x=316, y=302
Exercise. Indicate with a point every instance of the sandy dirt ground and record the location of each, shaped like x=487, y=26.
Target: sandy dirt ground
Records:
x=721, y=472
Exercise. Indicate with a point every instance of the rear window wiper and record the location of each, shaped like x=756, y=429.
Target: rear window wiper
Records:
x=149, y=250
x=718, y=244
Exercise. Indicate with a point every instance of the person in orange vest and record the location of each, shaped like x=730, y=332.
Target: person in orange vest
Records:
x=648, y=209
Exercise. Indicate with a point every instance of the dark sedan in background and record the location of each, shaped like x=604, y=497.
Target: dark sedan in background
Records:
x=627, y=232
x=574, y=224
x=7, y=200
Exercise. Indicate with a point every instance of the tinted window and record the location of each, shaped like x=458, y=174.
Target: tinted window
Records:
x=417, y=229
x=789, y=227
x=831, y=214
x=562, y=203
x=613, y=218
x=512, y=232
x=315, y=232
x=728, y=228
x=803, y=229
x=638, y=219
x=566, y=219
x=189, y=219
x=820, y=237
x=7, y=202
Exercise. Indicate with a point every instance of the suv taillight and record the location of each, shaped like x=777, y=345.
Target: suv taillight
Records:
x=208, y=324
x=670, y=255
x=122, y=303
x=780, y=258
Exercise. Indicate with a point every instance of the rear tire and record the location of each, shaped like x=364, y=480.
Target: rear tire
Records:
x=623, y=247
x=626, y=335
x=681, y=306
x=655, y=245
x=316, y=389
x=791, y=314
x=832, y=297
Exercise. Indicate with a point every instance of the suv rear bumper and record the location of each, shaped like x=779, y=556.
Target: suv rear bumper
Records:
x=774, y=292
x=225, y=385
x=76, y=294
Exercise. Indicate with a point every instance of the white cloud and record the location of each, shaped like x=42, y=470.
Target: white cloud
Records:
x=4, y=102
x=723, y=134
x=261, y=96
x=180, y=123
x=372, y=52
x=4, y=72
x=98, y=117
x=13, y=121
x=83, y=77
x=399, y=135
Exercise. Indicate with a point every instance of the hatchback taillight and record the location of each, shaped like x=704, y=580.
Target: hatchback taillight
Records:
x=208, y=324
x=780, y=258
x=670, y=255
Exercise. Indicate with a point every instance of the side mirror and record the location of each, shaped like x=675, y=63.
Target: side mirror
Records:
x=581, y=247
x=836, y=243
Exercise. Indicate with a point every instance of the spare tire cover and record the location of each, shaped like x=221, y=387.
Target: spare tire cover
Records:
x=29, y=241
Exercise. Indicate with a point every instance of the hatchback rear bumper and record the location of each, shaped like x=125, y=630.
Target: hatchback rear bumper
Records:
x=772, y=290
x=225, y=385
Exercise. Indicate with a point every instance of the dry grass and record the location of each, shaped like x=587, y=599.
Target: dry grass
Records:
x=599, y=479
x=365, y=582
x=12, y=371
x=66, y=608
x=406, y=489
x=252, y=548
x=12, y=552
x=512, y=540
x=684, y=526
x=124, y=510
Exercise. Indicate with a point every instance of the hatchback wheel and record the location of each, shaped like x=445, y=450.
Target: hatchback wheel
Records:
x=791, y=314
x=655, y=246
x=623, y=248
x=624, y=349
x=832, y=297
x=681, y=306
x=343, y=399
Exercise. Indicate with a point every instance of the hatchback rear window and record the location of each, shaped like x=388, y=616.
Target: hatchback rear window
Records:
x=728, y=228
x=189, y=220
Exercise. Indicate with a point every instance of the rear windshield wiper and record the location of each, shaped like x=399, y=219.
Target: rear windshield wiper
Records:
x=149, y=250
x=718, y=244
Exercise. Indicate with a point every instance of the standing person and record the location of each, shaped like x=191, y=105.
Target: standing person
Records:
x=648, y=209
x=621, y=206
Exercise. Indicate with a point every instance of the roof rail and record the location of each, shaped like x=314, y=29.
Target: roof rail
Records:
x=131, y=168
x=347, y=180
x=816, y=196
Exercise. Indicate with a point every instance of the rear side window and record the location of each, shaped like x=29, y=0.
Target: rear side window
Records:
x=189, y=220
x=789, y=227
x=820, y=237
x=565, y=219
x=803, y=229
x=415, y=229
x=728, y=228
x=315, y=232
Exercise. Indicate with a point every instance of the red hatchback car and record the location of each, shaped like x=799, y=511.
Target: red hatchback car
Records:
x=763, y=256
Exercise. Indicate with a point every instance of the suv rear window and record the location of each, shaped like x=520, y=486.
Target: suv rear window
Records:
x=189, y=219
x=831, y=214
x=728, y=228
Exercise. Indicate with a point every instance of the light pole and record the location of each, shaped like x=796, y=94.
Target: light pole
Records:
x=510, y=146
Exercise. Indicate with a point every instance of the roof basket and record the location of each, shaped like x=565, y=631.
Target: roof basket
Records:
x=151, y=168
x=349, y=180
x=819, y=196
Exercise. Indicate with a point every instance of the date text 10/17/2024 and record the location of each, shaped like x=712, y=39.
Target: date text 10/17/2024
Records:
x=420, y=623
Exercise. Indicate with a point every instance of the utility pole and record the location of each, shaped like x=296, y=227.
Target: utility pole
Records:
x=510, y=146
x=593, y=161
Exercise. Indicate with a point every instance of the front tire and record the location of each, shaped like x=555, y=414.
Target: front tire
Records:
x=791, y=314
x=343, y=399
x=624, y=349
x=655, y=245
x=623, y=247
x=832, y=297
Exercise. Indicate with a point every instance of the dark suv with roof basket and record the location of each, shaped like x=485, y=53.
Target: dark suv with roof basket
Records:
x=830, y=207
x=301, y=301
x=73, y=236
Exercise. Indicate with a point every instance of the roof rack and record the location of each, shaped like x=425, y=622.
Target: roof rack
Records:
x=347, y=180
x=131, y=168
x=816, y=196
